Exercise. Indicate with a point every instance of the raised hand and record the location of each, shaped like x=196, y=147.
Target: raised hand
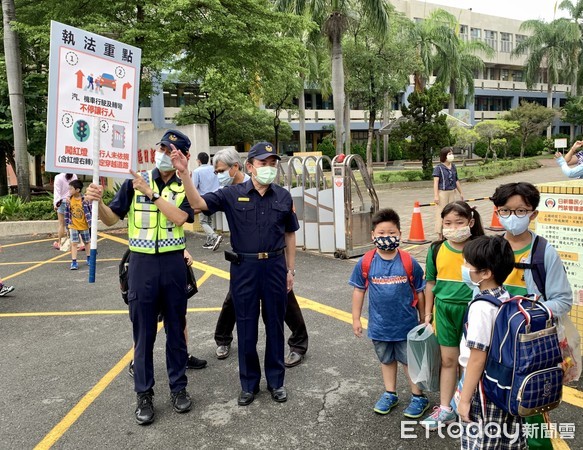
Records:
x=140, y=184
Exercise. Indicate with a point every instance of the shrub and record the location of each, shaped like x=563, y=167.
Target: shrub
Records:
x=36, y=210
x=9, y=206
x=480, y=148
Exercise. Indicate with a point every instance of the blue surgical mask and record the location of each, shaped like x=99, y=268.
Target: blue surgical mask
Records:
x=225, y=179
x=466, y=278
x=387, y=242
x=163, y=162
x=515, y=225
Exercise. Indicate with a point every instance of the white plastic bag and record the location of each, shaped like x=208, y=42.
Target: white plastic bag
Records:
x=424, y=358
x=65, y=245
x=570, y=343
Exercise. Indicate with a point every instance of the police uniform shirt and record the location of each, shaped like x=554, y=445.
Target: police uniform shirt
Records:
x=257, y=223
x=122, y=201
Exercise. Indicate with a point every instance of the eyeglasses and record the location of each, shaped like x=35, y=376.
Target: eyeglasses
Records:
x=520, y=212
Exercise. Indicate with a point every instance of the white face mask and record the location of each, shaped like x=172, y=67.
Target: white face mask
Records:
x=515, y=225
x=450, y=157
x=163, y=162
x=466, y=278
x=225, y=179
x=457, y=235
x=266, y=175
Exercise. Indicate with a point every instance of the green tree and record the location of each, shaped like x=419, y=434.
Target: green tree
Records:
x=549, y=45
x=495, y=130
x=464, y=138
x=425, y=125
x=573, y=111
x=532, y=119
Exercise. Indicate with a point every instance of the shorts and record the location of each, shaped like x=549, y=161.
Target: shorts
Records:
x=445, y=197
x=85, y=235
x=449, y=322
x=391, y=351
x=61, y=208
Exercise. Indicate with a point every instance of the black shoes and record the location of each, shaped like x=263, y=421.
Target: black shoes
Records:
x=279, y=394
x=181, y=401
x=246, y=398
x=145, y=408
x=293, y=359
x=195, y=363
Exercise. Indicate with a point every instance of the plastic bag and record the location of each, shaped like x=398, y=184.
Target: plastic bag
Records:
x=570, y=343
x=66, y=245
x=424, y=358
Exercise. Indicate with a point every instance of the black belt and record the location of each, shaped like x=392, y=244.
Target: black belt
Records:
x=260, y=255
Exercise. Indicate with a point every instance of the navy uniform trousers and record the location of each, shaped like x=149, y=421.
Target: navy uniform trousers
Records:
x=255, y=284
x=157, y=285
x=298, y=340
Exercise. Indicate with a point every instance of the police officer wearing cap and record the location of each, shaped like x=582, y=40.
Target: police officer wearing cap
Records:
x=263, y=225
x=157, y=208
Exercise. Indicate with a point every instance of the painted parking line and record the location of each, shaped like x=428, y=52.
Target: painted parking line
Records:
x=25, y=263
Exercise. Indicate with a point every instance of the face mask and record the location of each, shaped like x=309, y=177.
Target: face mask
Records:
x=450, y=157
x=386, y=242
x=225, y=179
x=466, y=278
x=515, y=225
x=266, y=175
x=457, y=235
x=163, y=162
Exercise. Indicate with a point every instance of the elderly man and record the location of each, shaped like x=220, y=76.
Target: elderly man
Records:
x=263, y=225
x=157, y=208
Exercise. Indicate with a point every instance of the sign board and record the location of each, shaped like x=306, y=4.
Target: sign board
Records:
x=561, y=143
x=93, y=88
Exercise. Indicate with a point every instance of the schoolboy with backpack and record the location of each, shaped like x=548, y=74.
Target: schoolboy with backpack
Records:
x=538, y=267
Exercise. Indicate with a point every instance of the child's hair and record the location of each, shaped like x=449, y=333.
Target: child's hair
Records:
x=203, y=157
x=493, y=253
x=386, y=215
x=76, y=184
x=444, y=152
x=527, y=191
x=464, y=210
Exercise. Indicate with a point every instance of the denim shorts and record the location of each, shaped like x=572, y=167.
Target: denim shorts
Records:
x=61, y=207
x=391, y=351
x=85, y=235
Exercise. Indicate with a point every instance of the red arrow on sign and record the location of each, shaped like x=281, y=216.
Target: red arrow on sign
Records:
x=80, y=77
x=126, y=86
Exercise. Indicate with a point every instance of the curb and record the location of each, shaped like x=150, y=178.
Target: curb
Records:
x=32, y=227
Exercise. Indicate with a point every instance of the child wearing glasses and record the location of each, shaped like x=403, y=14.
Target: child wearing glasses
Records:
x=516, y=204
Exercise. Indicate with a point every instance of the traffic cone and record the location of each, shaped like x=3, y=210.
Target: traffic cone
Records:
x=495, y=224
x=416, y=233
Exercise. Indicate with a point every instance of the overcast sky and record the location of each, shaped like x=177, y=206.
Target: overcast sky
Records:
x=514, y=9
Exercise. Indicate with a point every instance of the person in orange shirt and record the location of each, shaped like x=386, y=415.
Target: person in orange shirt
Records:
x=78, y=220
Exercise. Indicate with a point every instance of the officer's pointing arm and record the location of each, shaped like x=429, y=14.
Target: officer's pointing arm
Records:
x=172, y=212
x=180, y=163
x=107, y=216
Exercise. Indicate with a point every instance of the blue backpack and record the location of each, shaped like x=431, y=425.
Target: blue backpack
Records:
x=523, y=374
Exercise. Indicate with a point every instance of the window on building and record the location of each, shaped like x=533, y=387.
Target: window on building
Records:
x=476, y=34
x=504, y=74
x=506, y=42
x=491, y=38
x=519, y=38
x=464, y=32
x=517, y=75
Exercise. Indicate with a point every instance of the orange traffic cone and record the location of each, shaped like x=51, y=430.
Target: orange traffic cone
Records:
x=416, y=233
x=495, y=224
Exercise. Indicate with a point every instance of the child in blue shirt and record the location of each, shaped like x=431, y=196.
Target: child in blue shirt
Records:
x=392, y=312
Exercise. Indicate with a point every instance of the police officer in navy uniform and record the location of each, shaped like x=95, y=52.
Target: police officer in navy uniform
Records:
x=263, y=225
x=157, y=208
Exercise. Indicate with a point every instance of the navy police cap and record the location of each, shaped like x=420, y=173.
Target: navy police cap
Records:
x=262, y=150
x=180, y=140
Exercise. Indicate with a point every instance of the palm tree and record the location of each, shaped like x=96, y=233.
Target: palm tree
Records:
x=333, y=17
x=550, y=44
x=576, y=12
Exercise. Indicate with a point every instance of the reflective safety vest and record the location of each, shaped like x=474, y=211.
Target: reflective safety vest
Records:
x=150, y=231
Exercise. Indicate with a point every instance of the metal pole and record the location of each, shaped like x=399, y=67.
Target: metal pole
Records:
x=95, y=203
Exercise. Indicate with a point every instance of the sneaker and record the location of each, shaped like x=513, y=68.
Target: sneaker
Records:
x=194, y=363
x=74, y=265
x=145, y=408
x=89, y=260
x=181, y=401
x=5, y=290
x=437, y=417
x=217, y=242
x=208, y=243
x=386, y=403
x=417, y=407
x=131, y=369
x=223, y=351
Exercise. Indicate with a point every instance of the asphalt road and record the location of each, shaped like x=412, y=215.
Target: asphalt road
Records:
x=66, y=345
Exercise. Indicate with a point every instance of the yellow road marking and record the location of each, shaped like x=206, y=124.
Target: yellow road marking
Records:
x=16, y=244
x=23, y=263
x=90, y=313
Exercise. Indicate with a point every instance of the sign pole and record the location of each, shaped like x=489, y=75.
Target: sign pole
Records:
x=95, y=203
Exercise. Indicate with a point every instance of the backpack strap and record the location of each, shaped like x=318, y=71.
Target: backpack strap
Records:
x=365, y=266
x=408, y=265
x=537, y=264
x=435, y=247
x=481, y=297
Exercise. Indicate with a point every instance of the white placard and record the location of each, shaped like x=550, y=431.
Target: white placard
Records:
x=561, y=143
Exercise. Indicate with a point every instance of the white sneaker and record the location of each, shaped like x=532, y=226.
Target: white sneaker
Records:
x=217, y=242
x=5, y=290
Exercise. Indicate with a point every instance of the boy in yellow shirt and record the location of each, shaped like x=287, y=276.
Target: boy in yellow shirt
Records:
x=77, y=220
